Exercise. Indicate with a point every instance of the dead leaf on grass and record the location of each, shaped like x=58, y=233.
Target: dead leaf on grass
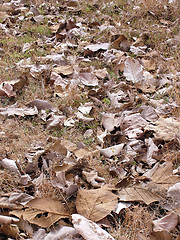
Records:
x=112, y=151
x=10, y=230
x=43, y=212
x=64, y=70
x=93, y=178
x=164, y=128
x=88, y=79
x=6, y=90
x=97, y=47
x=133, y=70
x=167, y=223
x=10, y=164
x=121, y=43
x=7, y=220
x=95, y=204
x=13, y=110
x=110, y=121
x=138, y=194
x=88, y=229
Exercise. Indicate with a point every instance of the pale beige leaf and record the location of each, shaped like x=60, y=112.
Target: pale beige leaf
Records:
x=165, y=128
x=112, y=151
x=167, y=223
x=95, y=204
x=7, y=220
x=174, y=193
x=65, y=70
x=88, y=229
x=133, y=70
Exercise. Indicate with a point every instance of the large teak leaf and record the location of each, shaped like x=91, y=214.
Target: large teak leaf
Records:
x=95, y=204
x=43, y=212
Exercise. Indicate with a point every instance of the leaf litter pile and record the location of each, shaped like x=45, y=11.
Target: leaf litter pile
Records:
x=89, y=120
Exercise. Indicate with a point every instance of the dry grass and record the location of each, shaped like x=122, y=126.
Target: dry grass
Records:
x=134, y=222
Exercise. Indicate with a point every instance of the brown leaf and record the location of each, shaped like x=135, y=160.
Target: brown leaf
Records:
x=64, y=70
x=10, y=230
x=138, y=194
x=93, y=178
x=121, y=43
x=95, y=204
x=41, y=104
x=43, y=212
x=88, y=79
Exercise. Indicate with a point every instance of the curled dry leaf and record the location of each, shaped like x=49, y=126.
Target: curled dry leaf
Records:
x=133, y=70
x=112, y=151
x=20, y=198
x=93, y=178
x=95, y=204
x=6, y=90
x=165, y=128
x=10, y=164
x=13, y=110
x=86, y=108
x=110, y=121
x=88, y=229
x=7, y=220
x=97, y=47
x=121, y=43
x=10, y=230
x=64, y=232
x=167, y=223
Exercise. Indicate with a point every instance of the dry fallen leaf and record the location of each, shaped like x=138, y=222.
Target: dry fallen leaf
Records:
x=133, y=70
x=6, y=90
x=112, y=151
x=88, y=229
x=13, y=110
x=138, y=194
x=93, y=178
x=64, y=70
x=36, y=209
x=174, y=193
x=95, y=204
x=10, y=230
x=97, y=47
x=167, y=223
x=9, y=164
x=7, y=220
x=165, y=128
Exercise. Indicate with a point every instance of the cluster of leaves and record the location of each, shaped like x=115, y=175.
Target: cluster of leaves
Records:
x=89, y=120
